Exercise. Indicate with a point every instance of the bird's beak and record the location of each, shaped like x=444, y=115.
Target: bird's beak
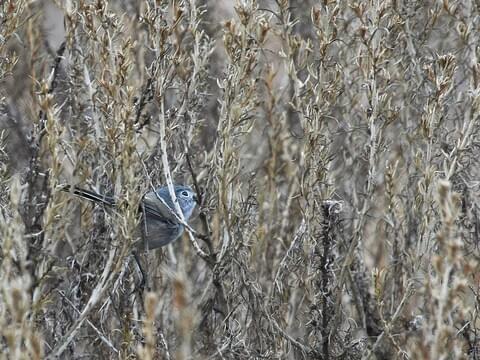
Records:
x=195, y=198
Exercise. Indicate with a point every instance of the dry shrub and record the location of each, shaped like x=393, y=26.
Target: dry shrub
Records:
x=334, y=148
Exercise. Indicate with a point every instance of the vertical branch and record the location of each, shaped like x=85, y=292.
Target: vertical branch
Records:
x=168, y=179
x=324, y=249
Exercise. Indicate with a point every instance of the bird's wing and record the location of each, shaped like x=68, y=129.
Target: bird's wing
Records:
x=159, y=225
x=153, y=207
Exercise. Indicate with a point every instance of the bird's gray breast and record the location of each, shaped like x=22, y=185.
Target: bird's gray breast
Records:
x=157, y=233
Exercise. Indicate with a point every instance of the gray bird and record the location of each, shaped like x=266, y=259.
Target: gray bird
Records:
x=159, y=226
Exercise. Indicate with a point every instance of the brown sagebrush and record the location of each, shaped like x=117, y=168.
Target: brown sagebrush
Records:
x=333, y=148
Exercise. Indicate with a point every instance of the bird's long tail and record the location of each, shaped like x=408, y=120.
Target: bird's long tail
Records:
x=89, y=195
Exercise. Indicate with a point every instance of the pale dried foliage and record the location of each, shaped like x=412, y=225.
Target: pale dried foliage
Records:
x=334, y=146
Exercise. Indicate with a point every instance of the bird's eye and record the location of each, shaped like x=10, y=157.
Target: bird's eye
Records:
x=184, y=193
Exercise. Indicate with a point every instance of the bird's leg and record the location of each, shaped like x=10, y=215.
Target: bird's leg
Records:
x=144, y=281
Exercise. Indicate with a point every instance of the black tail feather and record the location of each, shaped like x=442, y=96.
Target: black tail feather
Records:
x=90, y=195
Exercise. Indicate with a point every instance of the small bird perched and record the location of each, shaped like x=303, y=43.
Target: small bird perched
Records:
x=159, y=224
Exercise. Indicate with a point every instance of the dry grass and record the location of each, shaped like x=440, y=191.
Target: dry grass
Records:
x=334, y=146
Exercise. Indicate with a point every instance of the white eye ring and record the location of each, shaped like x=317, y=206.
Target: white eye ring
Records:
x=184, y=193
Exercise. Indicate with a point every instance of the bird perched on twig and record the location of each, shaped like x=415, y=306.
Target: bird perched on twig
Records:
x=159, y=225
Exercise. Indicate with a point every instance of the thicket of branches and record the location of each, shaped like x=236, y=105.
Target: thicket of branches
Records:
x=334, y=146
